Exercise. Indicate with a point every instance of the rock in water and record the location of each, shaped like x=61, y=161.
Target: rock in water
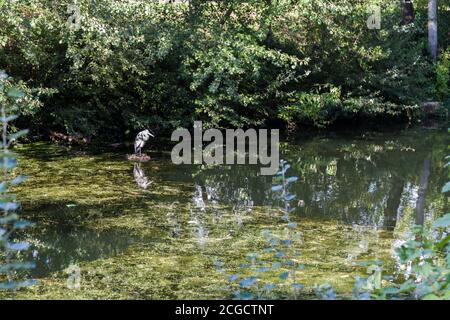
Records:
x=141, y=158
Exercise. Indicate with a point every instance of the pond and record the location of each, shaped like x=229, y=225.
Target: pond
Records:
x=157, y=231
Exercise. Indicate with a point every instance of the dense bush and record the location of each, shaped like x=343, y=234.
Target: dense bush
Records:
x=443, y=77
x=136, y=64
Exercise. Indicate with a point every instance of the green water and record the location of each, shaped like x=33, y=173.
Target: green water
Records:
x=154, y=232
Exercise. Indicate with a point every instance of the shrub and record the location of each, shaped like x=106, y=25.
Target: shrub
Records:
x=10, y=222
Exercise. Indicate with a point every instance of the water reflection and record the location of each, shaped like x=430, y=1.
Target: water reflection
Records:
x=57, y=249
x=373, y=180
x=349, y=186
x=197, y=217
x=139, y=176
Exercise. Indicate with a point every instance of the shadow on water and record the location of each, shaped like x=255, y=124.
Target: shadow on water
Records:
x=385, y=181
x=59, y=248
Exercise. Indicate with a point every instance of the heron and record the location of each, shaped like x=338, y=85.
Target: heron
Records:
x=140, y=141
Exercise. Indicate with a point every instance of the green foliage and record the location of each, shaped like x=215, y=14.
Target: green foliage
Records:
x=319, y=108
x=443, y=76
x=10, y=222
x=136, y=64
x=427, y=257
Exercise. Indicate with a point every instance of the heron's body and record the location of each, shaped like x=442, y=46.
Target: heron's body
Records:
x=140, y=141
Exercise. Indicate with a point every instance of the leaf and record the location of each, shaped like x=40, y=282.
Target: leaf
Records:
x=390, y=290
x=17, y=284
x=276, y=265
x=291, y=179
x=22, y=224
x=9, y=218
x=17, y=266
x=289, y=197
x=8, y=163
x=277, y=188
x=9, y=118
x=247, y=282
x=15, y=93
x=18, y=134
x=298, y=286
x=19, y=246
x=284, y=275
x=251, y=256
x=17, y=180
x=3, y=75
x=407, y=287
x=443, y=222
x=269, y=286
x=9, y=206
x=245, y=296
x=442, y=243
x=233, y=278
x=446, y=188
x=292, y=225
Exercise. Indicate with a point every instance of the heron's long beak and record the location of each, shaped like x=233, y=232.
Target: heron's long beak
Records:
x=151, y=135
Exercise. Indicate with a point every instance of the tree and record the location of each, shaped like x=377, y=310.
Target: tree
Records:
x=432, y=28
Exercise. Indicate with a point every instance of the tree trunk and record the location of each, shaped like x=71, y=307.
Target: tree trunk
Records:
x=393, y=203
x=432, y=28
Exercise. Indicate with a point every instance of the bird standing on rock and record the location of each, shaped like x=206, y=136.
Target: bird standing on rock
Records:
x=140, y=141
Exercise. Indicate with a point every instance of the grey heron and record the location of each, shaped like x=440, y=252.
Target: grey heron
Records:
x=140, y=141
